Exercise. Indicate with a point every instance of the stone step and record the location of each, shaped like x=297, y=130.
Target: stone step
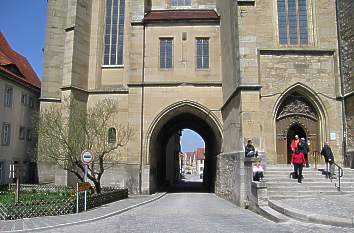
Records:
x=303, y=187
x=302, y=193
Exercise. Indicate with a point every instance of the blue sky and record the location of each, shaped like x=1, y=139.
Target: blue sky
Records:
x=23, y=24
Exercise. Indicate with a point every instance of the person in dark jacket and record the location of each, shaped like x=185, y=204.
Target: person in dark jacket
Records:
x=250, y=151
x=298, y=160
x=329, y=159
x=304, y=148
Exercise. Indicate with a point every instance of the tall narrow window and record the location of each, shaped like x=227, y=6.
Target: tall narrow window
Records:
x=22, y=133
x=29, y=134
x=292, y=22
x=202, y=53
x=8, y=96
x=166, y=53
x=181, y=3
x=6, y=131
x=114, y=32
x=112, y=135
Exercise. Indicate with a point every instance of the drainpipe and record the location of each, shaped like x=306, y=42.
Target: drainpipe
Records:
x=342, y=97
x=142, y=115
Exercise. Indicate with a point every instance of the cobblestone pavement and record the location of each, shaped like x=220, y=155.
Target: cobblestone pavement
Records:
x=331, y=205
x=193, y=212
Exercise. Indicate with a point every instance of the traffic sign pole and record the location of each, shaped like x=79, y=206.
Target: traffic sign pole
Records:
x=85, y=180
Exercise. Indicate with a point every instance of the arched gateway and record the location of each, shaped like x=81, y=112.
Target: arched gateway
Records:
x=297, y=114
x=171, y=121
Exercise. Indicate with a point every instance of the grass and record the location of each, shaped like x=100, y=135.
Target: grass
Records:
x=7, y=197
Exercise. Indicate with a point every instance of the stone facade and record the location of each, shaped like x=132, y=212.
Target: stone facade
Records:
x=346, y=35
x=239, y=96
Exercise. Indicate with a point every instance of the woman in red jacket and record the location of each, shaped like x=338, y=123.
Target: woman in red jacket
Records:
x=298, y=160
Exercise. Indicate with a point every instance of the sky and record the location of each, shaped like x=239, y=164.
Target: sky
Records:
x=23, y=23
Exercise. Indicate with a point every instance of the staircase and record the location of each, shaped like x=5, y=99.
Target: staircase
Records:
x=280, y=186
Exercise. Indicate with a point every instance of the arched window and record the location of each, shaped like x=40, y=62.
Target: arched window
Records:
x=112, y=135
x=293, y=22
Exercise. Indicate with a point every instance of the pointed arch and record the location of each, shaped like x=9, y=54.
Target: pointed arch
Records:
x=306, y=92
x=298, y=105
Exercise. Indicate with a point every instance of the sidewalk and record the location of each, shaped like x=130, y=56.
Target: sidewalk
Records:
x=50, y=222
x=335, y=210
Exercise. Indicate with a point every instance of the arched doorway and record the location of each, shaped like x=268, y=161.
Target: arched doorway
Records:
x=296, y=116
x=168, y=126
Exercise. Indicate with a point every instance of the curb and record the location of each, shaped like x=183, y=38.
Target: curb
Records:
x=308, y=217
x=91, y=219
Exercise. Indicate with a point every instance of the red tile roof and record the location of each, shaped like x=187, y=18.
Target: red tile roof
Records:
x=159, y=15
x=200, y=154
x=10, y=57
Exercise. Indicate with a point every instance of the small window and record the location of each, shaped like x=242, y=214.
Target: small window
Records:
x=8, y=96
x=202, y=53
x=31, y=102
x=22, y=133
x=24, y=99
x=178, y=3
x=112, y=135
x=166, y=53
x=6, y=131
x=29, y=135
x=201, y=169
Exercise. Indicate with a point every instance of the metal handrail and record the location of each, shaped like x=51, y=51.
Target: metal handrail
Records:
x=340, y=174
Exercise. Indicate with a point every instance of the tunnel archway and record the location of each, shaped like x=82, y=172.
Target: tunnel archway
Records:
x=170, y=122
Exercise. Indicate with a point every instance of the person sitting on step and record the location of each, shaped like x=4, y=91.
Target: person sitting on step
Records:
x=258, y=171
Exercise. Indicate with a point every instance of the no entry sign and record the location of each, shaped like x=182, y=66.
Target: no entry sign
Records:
x=86, y=156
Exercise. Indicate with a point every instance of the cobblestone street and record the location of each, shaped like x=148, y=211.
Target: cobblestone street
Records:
x=193, y=212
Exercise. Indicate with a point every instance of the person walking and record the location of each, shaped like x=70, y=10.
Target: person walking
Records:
x=298, y=161
x=304, y=148
x=294, y=143
x=329, y=159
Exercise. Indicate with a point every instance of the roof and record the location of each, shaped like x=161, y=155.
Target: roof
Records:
x=10, y=59
x=200, y=154
x=177, y=15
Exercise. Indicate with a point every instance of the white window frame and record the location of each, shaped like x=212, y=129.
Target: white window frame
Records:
x=6, y=134
x=202, y=56
x=2, y=171
x=163, y=65
x=22, y=133
x=8, y=96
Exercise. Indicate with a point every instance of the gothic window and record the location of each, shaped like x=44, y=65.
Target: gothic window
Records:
x=112, y=135
x=114, y=32
x=202, y=53
x=179, y=3
x=293, y=22
x=165, y=53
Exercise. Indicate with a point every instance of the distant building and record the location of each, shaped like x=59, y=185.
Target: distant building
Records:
x=19, y=93
x=199, y=159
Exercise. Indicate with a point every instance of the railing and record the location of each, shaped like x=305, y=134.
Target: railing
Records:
x=331, y=177
x=315, y=155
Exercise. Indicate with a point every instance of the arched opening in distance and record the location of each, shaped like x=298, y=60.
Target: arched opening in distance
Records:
x=165, y=149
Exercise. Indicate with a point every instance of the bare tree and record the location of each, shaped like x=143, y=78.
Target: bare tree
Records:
x=64, y=131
